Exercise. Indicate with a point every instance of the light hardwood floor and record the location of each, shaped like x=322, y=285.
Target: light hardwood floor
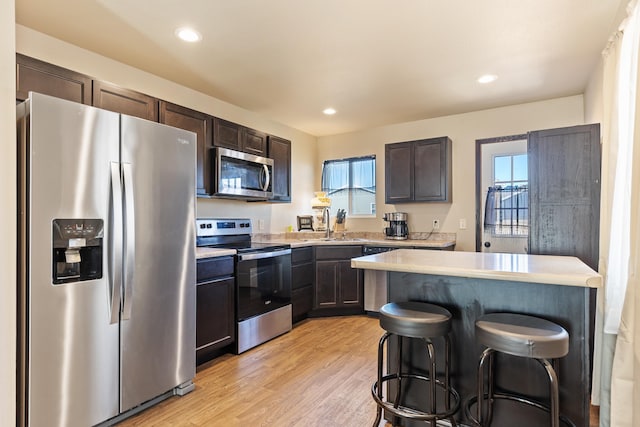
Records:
x=319, y=374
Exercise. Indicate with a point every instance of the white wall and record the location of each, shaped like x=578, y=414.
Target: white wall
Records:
x=463, y=129
x=593, y=96
x=276, y=216
x=7, y=213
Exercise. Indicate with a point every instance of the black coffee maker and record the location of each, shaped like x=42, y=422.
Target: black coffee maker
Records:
x=397, y=229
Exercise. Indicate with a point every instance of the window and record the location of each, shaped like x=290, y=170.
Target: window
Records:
x=351, y=184
x=507, y=207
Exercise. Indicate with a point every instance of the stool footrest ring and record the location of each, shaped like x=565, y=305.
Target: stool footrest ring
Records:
x=512, y=397
x=411, y=413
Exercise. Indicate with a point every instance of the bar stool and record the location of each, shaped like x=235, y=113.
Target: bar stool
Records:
x=425, y=322
x=524, y=336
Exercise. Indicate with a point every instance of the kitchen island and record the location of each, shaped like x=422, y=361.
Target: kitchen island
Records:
x=471, y=284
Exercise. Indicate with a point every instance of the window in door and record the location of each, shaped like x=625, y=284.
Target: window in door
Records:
x=351, y=184
x=507, y=206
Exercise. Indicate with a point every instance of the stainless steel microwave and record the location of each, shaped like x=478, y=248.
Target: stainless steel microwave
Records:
x=242, y=175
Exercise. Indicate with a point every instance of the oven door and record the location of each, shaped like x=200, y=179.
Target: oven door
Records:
x=263, y=282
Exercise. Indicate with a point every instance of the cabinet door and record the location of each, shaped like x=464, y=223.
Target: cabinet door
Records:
x=327, y=293
x=398, y=173
x=280, y=152
x=125, y=101
x=37, y=76
x=432, y=170
x=350, y=285
x=201, y=124
x=301, y=302
x=215, y=316
x=301, y=275
x=227, y=134
x=254, y=142
x=564, y=196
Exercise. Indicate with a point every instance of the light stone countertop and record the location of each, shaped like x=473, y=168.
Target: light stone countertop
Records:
x=555, y=270
x=302, y=239
x=204, y=252
x=300, y=243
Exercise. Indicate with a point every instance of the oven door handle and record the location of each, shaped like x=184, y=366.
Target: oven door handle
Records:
x=263, y=255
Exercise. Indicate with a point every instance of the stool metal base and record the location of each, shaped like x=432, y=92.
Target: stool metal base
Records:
x=411, y=413
x=479, y=420
x=514, y=398
x=396, y=408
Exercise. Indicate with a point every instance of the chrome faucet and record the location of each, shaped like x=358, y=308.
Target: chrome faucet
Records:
x=326, y=217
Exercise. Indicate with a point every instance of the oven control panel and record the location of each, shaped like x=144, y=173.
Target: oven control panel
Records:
x=206, y=227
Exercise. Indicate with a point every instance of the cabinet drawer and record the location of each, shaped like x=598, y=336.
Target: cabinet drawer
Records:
x=300, y=255
x=338, y=252
x=302, y=275
x=211, y=268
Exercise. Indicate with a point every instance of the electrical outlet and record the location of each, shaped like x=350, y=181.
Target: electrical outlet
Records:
x=436, y=224
x=463, y=224
x=261, y=224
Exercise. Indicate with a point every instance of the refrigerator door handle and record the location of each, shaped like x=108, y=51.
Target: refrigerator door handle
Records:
x=267, y=178
x=116, y=243
x=129, y=244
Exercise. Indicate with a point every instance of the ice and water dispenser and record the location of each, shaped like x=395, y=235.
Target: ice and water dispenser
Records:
x=77, y=250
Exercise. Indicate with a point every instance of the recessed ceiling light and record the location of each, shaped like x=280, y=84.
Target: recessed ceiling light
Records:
x=329, y=111
x=487, y=78
x=188, y=34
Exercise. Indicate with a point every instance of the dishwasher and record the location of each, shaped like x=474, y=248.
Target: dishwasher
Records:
x=375, y=282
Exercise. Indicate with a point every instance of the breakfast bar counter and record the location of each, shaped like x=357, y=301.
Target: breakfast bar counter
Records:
x=558, y=288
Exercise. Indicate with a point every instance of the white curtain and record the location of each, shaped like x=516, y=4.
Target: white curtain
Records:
x=619, y=358
x=605, y=343
x=625, y=375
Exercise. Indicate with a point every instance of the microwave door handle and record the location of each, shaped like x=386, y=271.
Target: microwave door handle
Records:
x=267, y=177
x=130, y=243
x=116, y=243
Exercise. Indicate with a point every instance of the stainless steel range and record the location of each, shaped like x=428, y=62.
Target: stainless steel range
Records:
x=263, y=279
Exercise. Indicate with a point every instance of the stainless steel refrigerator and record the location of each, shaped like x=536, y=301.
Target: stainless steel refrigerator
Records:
x=107, y=262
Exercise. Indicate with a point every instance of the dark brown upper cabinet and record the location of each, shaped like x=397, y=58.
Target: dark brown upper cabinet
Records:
x=237, y=137
x=37, y=76
x=418, y=171
x=226, y=134
x=202, y=125
x=125, y=101
x=254, y=142
x=280, y=152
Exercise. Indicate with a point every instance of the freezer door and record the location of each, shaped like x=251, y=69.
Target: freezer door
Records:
x=158, y=326
x=70, y=351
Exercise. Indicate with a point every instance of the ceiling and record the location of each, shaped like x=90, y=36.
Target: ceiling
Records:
x=377, y=62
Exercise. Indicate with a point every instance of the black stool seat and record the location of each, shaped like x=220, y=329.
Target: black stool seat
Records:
x=415, y=319
x=522, y=335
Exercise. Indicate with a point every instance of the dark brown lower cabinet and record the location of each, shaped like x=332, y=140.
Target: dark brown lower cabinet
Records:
x=302, y=278
x=339, y=289
x=215, y=307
